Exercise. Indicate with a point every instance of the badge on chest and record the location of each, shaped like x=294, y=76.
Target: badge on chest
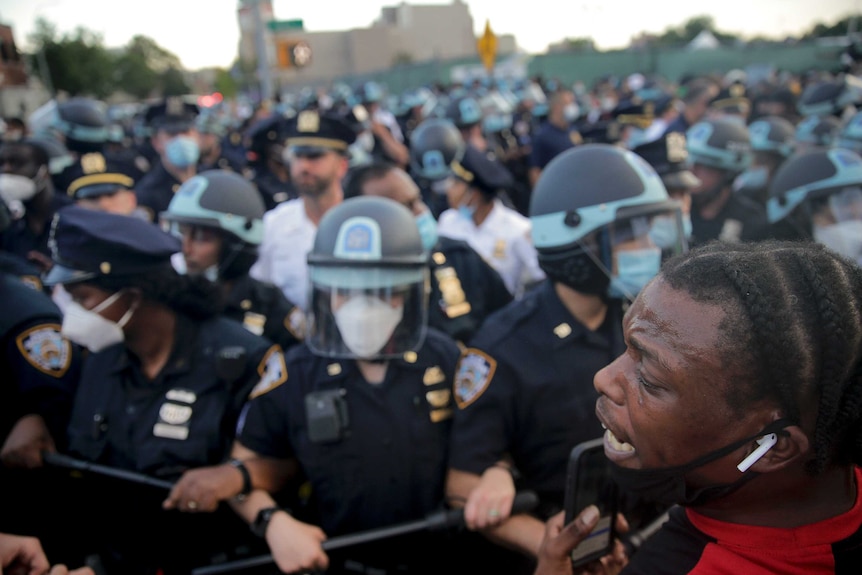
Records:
x=175, y=414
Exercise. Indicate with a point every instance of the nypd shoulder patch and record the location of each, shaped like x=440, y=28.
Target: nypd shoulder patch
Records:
x=472, y=376
x=272, y=371
x=46, y=349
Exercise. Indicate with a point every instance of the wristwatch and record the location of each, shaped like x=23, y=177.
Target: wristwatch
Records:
x=261, y=522
x=246, y=477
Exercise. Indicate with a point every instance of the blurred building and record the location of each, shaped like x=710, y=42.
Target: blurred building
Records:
x=402, y=34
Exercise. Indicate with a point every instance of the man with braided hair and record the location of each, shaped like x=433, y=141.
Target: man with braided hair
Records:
x=739, y=397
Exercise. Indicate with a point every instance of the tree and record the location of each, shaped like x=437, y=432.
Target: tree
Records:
x=840, y=28
x=173, y=83
x=225, y=84
x=580, y=45
x=78, y=63
x=688, y=31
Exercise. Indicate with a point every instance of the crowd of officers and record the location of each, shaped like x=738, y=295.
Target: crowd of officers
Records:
x=228, y=337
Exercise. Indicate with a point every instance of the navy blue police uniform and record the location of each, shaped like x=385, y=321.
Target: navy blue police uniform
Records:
x=392, y=447
x=550, y=141
x=263, y=310
x=182, y=419
x=158, y=186
x=465, y=289
x=40, y=372
x=266, y=139
x=512, y=405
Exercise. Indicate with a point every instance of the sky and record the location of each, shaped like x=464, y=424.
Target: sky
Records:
x=205, y=33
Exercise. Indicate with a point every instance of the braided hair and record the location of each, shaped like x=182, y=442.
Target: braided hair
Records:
x=792, y=333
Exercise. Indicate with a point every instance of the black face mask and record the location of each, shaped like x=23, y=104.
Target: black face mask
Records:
x=575, y=269
x=666, y=485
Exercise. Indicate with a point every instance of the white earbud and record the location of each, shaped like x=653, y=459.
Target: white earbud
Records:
x=766, y=442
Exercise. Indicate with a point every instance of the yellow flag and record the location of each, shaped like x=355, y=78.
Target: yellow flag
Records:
x=487, y=46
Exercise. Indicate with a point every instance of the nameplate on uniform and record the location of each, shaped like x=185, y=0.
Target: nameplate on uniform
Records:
x=433, y=376
x=500, y=249
x=177, y=432
x=173, y=421
x=454, y=302
x=438, y=415
x=254, y=322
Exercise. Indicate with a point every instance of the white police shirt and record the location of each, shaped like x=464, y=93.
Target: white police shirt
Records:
x=288, y=236
x=503, y=240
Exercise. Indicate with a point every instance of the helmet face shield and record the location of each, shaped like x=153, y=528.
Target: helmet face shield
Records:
x=367, y=312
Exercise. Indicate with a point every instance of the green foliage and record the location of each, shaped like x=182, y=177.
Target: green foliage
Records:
x=226, y=84
x=681, y=35
x=80, y=64
x=840, y=28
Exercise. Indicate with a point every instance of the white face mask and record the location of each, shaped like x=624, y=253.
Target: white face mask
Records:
x=366, y=323
x=86, y=327
x=15, y=188
x=844, y=238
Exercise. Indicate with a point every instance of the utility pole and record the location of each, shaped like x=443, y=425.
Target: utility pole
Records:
x=263, y=71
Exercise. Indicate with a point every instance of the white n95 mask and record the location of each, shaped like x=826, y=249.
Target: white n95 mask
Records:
x=86, y=327
x=366, y=323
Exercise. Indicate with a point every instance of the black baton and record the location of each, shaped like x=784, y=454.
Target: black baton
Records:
x=67, y=462
x=524, y=501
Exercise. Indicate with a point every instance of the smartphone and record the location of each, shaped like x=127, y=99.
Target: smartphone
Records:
x=588, y=482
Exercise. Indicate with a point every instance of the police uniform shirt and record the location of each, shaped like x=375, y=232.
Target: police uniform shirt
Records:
x=503, y=240
x=223, y=162
x=464, y=289
x=156, y=190
x=288, y=236
x=550, y=141
x=263, y=310
x=40, y=367
x=524, y=388
x=185, y=417
x=741, y=219
x=389, y=465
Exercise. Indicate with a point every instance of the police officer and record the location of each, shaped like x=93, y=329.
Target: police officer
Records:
x=818, y=195
x=175, y=139
x=268, y=162
x=837, y=97
x=557, y=134
x=464, y=288
x=720, y=150
x=27, y=189
x=850, y=136
x=40, y=371
x=366, y=410
x=219, y=216
x=388, y=141
x=107, y=191
x=816, y=132
x=211, y=131
x=82, y=125
x=497, y=232
x=160, y=391
x=772, y=141
x=668, y=156
x=434, y=145
x=591, y=215
x=317, y=151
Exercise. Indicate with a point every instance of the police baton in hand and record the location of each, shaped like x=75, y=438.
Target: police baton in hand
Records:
x=524, y=502
x=67, y=462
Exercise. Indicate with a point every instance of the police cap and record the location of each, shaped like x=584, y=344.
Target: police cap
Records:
x=173, y=115
x=89, y=243
x=634, y=112
x=313, y=133
x=669, y=158
x=95, y=175
x=478, y=171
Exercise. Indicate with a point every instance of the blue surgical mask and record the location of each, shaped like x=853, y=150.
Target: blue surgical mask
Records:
x=635, y=268
x=182, y=152
x=664, y=231
x=427, y=230
x=467, y=212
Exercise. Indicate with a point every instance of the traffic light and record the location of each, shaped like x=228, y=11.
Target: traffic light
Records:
x=293, y=54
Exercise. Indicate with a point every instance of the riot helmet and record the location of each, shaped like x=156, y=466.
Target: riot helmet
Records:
x=772, y=134
x=464, y=112
x=368, y=276
x=830, y=98
x=721, y=144
x=434, y=145
x=595, y=214
x=850, y=137
x=225, y=202
x=83, y=122
x=819, y=194
x=817, y=132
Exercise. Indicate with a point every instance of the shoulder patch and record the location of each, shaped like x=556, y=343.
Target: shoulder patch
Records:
x=46, y=349
x=272, y=370
x=472, y=376
x=32, y=281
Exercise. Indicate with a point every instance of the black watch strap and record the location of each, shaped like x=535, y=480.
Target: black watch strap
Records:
x=261, y=522
x=246, y=476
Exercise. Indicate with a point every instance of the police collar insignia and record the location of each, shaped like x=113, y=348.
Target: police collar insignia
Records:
x=472, y=376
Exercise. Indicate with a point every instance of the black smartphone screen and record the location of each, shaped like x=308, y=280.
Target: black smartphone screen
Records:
x=589, y=483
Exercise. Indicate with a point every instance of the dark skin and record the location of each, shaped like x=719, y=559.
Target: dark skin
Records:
x=22, y=160
x=665, y=396
x=149, y=334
